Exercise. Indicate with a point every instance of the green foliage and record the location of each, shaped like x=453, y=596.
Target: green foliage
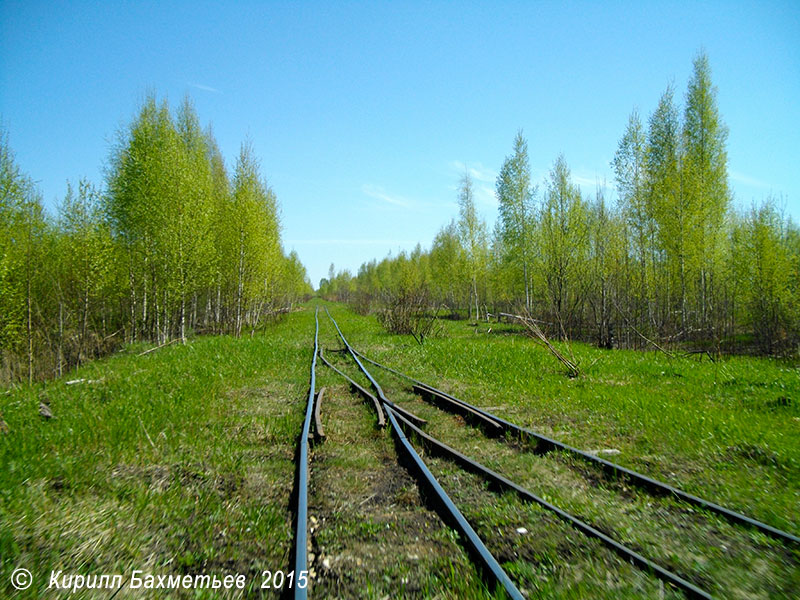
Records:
x=340, y=286
x=563, y=243
x=516, y=197
x=705, y=183
x=472, y=235
x=253, y=240
x=448, y=262
x=203, y=251
x=24, y=235
x=14, y=194
x=171, y=246
x=767, y=266
x=670, y=262
x=86, y=278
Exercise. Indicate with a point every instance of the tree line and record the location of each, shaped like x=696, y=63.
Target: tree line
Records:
x=670, y=260
x=172, y=244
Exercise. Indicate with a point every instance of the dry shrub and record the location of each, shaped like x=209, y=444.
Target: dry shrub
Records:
x=409, y=312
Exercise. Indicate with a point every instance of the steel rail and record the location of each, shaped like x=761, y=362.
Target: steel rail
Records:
x=644, y=481
x=301, y=534
x=488, y=560
x=502, y=482
x=454, y=514
x=491, y=426
x=381, y=396
x=365, y=393
x=352, y=353
x=317, y=416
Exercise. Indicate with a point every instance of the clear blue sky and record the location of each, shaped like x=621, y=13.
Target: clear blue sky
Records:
x=364, y=114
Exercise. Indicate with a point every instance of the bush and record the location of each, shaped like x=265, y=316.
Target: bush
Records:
x=409, y=313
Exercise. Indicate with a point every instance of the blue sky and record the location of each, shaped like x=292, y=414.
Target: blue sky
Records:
x=365, y=114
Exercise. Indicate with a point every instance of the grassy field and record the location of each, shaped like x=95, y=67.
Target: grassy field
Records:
x=181, y=462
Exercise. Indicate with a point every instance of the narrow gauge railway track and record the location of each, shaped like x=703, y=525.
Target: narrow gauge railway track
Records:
x=401, y=423
x=453, y=404
x=301, y=528
x=385, y=407
x=494, y=426
x=448, y=510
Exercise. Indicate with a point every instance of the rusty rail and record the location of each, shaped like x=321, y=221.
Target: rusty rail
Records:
x=361, y=391
x=320, y=432
x=365, y=393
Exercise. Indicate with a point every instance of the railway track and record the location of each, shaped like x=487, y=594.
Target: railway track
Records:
x=454, y=404
x=449, y=510
x=301, y=526
x=407, y=427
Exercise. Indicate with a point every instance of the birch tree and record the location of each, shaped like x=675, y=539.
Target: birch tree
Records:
x=639, y=215
x=448, y=266
x=705, y=183
x=472, y=233
x=563, y=241
x=515, y=196
x=254, y=238
x=672, y=257
x=86, y=281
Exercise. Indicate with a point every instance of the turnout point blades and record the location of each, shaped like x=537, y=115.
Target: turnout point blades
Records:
x=452, y=514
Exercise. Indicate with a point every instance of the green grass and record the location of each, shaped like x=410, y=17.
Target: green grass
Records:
x=181, y=461
x=727, y=431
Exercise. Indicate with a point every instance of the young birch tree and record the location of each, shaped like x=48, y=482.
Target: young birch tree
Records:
x=515, y=197
x=472, y=233
x=672, y=256
x=705, y=185
x=639, y=216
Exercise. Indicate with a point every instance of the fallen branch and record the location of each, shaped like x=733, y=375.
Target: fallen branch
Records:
x=533, y=327
x=700, y=353
x=159, y=346
x=88, y=381
x=108, y=337
x=640, y=334
x=648, y=340
x=510, y=316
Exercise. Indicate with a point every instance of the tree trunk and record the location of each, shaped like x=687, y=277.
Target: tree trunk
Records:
x=29, y=300
x=60, y=336
x=475, y=292
x=84, y=321
x=132, y=282
x=527, y=289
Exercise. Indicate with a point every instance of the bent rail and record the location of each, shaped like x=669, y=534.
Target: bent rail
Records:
x=635, y=477
x=453, y=514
